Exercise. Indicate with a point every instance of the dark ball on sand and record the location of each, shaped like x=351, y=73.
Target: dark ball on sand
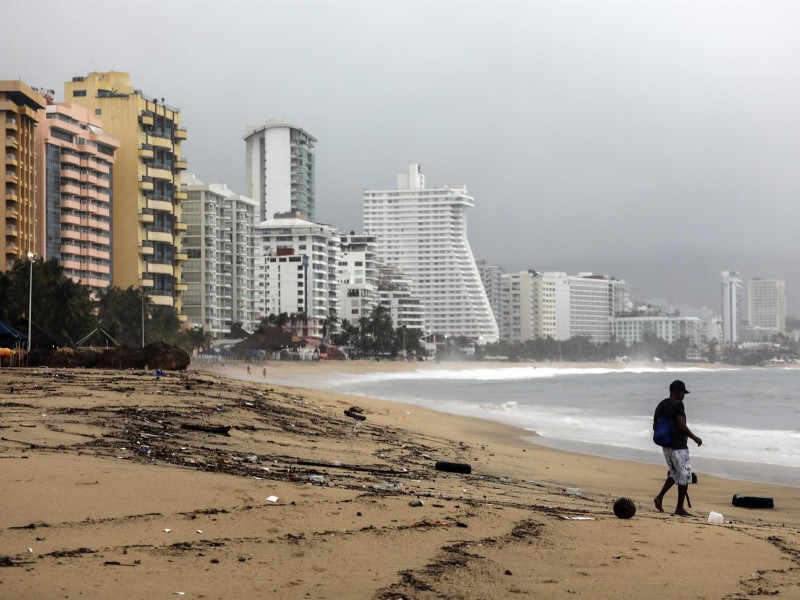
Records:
x=624, y=508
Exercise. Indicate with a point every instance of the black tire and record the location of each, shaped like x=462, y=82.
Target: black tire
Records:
x=453, y=467
x=354, y=415
x=752, y=501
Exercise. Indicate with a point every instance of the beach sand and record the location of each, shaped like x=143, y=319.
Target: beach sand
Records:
x=105, y=493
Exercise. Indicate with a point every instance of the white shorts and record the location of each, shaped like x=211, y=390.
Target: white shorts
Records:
x=679, y=468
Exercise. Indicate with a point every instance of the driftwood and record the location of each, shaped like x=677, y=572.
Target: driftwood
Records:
x=220, y=430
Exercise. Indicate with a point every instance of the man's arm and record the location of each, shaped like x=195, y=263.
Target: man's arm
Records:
x=680, y=421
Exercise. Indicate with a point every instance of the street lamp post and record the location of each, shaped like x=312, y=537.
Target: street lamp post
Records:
x=31, y=256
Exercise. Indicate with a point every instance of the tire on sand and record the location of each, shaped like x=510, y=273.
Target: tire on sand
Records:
x=452, y=467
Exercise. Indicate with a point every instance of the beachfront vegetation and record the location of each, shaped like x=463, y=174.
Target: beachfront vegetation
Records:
x=64, y=312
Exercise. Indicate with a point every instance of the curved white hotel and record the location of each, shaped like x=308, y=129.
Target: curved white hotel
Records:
x=423, y=232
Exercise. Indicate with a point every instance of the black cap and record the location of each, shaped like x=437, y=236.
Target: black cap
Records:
x=678, y=386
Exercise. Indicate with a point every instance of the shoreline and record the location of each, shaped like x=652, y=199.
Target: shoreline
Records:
x=274, y=491
x=315, y=375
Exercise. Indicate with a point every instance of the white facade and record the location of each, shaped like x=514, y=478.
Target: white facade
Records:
x=491, y=277
x=518, y=316
x=298, y=270
x=731, y=306
x=395, y=293
x=536, y=305
x=631, y=330
x=220, y=245
x=357, y=274
x=594, y=300
x=767, y=304
x=553, y=306
x=280, y=169
x=423, y=232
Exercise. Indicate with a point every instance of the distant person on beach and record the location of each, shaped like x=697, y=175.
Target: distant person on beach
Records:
x=248, y=369
x=264, y=372
x=677, y=453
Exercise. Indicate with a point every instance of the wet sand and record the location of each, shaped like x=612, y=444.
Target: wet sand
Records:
x=118, y=484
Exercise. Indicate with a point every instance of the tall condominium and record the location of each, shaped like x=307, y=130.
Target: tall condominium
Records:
x=397, y=296
x=221, y=253
x=297, y=274
x=491, y=277
x=535, y=305
x=593, y=302
x=146, y=211
x=76, y=163
x=423, y=232
x=280, y=169
x=767, y=304
x=19, y=115
x=357, y=275
x=731, y=305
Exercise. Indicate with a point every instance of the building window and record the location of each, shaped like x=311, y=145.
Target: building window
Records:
x=78, y=93
x=98, y=111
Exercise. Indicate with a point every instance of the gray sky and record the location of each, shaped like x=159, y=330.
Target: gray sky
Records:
x=658, y=142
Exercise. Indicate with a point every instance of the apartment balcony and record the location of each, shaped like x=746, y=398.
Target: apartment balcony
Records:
x=146, y=120
x=162, y=205
x=180, y=164
x=159, y=142
x=11, y=177
x=11, y=231
x=70, y=159
x=159, y=236
x=146, y=186
x=12, y=212
x=146, y=153
x=145, y=250
x=181, y=196
x=180, y=226
x=160, y=268
x=181, y=287
x=11, y=125
x=181, y=257
x=12, y=249
x=11, y=159
x=160, y=173
x=180, y=134
x=11, y=195
x=11, y=142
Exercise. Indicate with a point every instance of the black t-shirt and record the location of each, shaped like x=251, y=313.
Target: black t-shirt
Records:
x=673, y=409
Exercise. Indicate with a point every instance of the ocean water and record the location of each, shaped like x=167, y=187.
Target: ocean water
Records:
x=748, y=418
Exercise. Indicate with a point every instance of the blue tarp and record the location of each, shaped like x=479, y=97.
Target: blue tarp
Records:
x=10, y=337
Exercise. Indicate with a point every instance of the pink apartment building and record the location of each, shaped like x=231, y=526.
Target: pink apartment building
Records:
x=74, y=193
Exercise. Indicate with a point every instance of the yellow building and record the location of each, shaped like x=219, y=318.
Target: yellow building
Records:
x=18, y=118
x=146, y=207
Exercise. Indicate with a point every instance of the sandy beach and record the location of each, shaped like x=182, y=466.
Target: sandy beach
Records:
x=218, y=484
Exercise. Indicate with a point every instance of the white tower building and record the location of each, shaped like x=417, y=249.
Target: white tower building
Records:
x=731, y=306
x=767, y=304
x=298, y=270
x=423, y=232
x=220, y=245
x=357, y=274
x=594, y=300
x=280, y=169
x=491, y=277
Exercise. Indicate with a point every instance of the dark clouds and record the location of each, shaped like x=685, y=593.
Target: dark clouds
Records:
x=654, y=141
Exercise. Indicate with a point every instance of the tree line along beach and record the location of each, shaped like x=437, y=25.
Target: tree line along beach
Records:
x=201, y=484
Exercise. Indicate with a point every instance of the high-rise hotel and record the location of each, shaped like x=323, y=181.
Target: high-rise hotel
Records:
x=423, y=232
x=766, y=308
x=19, y=115
x=146, y=213
x=280, y=169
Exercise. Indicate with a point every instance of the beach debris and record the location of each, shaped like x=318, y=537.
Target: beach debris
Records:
x=752, y=501
x=316, y=479
x=219, y=430
x=715, y=518
x=167, y=530
x=451, y=467
x=354, y=412
x=272, y=498
x=575, y=518
x=624, y=508
x=573, y=491
x=416, y=503
x=388, y=486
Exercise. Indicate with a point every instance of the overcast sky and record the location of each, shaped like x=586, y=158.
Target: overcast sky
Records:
x=658, y=142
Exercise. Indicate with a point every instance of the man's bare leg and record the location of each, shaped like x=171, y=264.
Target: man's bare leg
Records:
x=679, y=510
x=658, y=500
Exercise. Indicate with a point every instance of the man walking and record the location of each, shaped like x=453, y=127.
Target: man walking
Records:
x=677, y=453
